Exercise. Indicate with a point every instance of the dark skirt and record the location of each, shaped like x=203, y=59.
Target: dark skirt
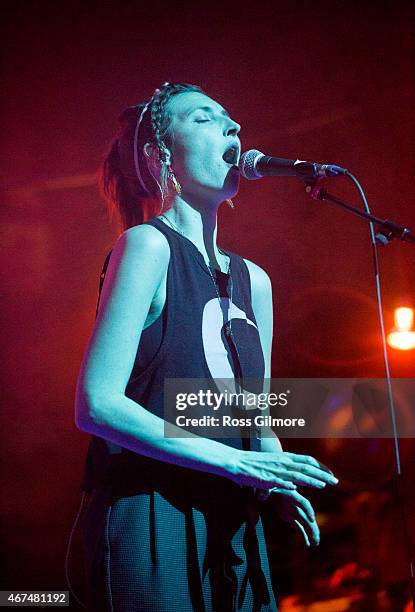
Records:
x=146, y=552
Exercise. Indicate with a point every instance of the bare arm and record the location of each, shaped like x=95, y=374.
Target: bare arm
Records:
x=138, y=263
x=137, y=266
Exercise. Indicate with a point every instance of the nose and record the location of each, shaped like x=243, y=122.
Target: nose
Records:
x=232, y=128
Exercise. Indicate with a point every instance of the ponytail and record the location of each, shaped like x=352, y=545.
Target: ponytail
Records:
x=125, y=200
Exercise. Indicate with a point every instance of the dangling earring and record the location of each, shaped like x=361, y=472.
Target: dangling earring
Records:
x=163, y=176
x=230, y=203
x=176, y=184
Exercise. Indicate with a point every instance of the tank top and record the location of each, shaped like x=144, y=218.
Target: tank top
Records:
x=187, y=340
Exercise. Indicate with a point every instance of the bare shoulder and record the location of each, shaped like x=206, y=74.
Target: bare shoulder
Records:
x=144, y=238
x=260, y=280
x=138, y=246
x=138, y=262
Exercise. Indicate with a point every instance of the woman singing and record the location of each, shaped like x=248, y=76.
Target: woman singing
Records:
x=173, y=523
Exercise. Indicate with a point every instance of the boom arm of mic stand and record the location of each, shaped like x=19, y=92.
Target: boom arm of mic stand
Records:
x=389, y=229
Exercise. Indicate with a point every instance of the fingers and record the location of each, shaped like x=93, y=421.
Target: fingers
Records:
x=307, y=541
x=300, y=501
x=309, y=460
x=279, y=482
x=310, y=527
x=287, y=485
x=297, y=510
x=304, y=504
x=291, y=477
x=310, y=475
x=285, y=470
x=307, y=481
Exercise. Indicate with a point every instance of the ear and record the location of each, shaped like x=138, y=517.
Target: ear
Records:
x=152, y=152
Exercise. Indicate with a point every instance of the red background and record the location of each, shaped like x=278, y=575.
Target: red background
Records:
x=324, y=81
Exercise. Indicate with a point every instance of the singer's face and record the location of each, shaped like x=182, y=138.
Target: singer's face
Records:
x=201, y=132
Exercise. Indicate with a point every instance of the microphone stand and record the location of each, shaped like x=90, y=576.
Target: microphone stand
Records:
x=388, y=231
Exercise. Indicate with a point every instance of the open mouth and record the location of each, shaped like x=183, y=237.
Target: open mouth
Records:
x=231, y=155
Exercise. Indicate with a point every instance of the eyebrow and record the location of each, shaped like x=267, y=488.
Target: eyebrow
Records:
x=207, y=108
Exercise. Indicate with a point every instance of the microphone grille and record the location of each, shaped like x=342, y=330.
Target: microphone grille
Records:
x=247, y=164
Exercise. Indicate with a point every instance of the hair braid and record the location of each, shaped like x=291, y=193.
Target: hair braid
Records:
x=159, y=119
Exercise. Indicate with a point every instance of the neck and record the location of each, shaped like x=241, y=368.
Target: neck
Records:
x=199, y=225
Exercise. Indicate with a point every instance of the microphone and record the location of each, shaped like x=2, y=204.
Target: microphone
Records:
x=254, y=165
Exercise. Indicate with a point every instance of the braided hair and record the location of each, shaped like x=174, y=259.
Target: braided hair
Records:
x=130, y=190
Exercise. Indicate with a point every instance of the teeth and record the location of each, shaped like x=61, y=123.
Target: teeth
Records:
x=230, y=156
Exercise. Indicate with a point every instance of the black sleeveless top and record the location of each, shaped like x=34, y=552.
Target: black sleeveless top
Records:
x=187, y=340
